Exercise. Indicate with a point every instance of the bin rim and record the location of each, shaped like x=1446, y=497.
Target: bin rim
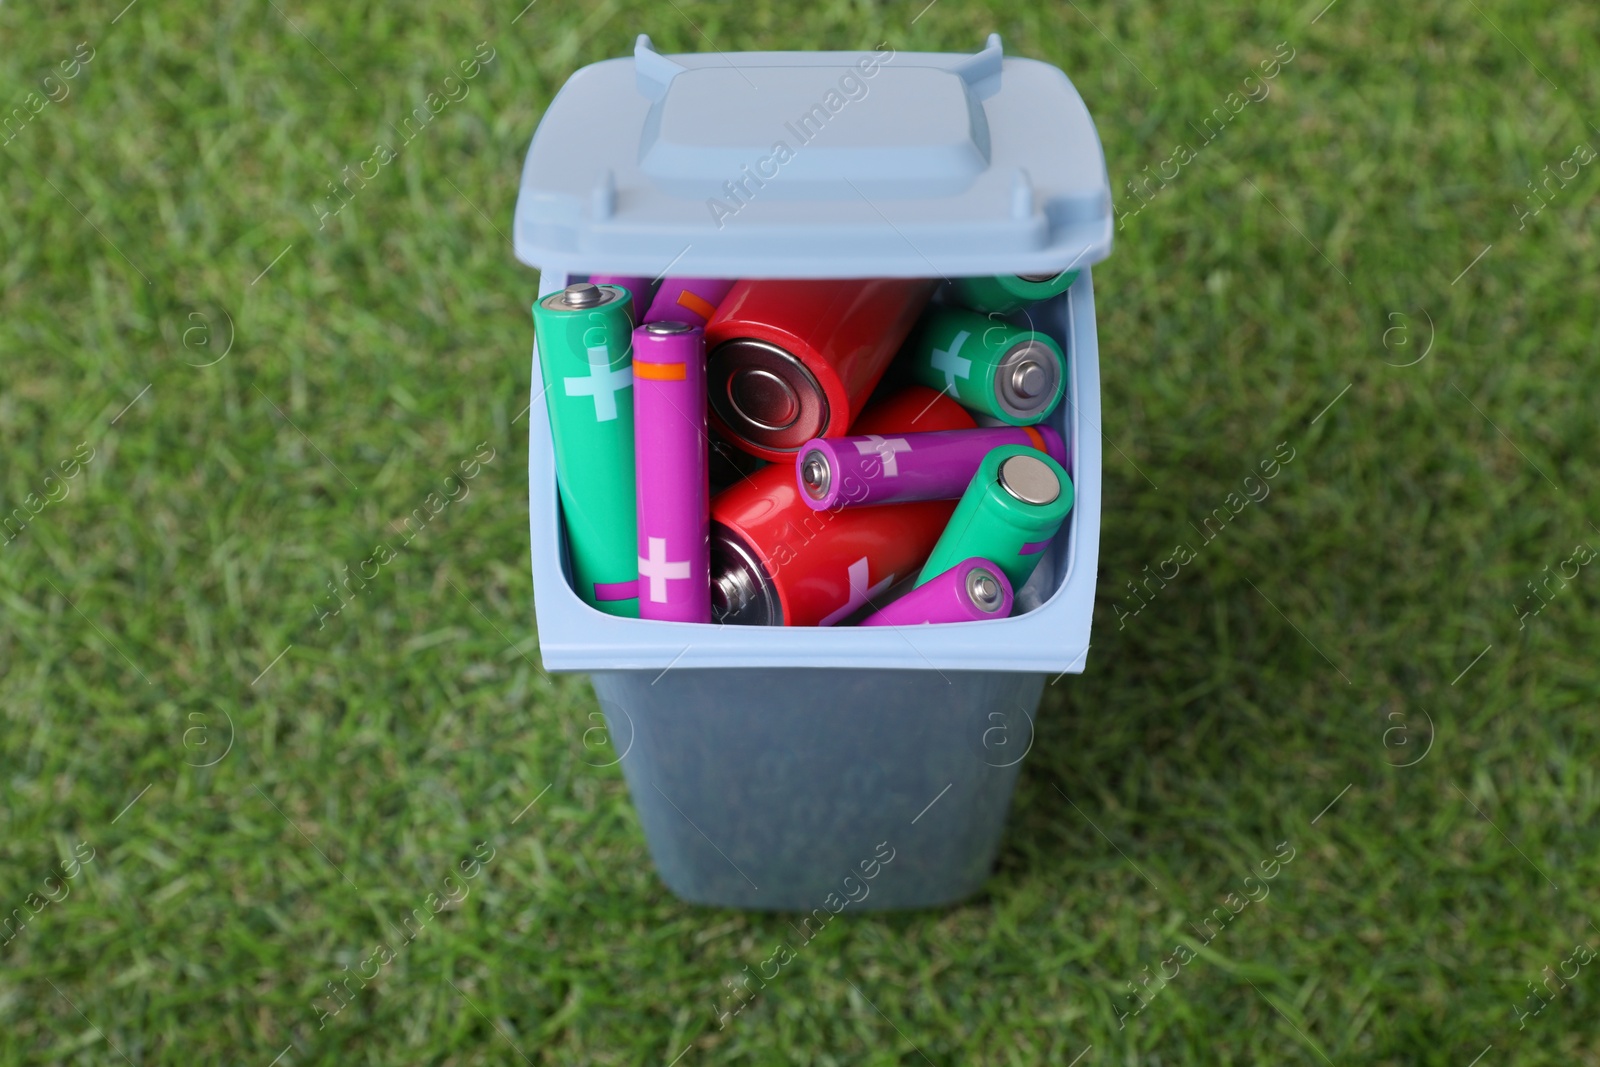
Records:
x=1053, y=637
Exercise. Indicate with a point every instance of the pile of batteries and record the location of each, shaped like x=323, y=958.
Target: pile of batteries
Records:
x=718, y=458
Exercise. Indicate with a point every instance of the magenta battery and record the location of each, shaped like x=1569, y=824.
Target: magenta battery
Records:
x=897, y=468
x=669, y=420
x=638, y=288
x=688, y=300
x=973, y=589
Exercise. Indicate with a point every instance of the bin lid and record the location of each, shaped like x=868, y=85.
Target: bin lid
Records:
x=815, y=164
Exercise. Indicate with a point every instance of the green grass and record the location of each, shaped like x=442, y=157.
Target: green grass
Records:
x=1376, y=585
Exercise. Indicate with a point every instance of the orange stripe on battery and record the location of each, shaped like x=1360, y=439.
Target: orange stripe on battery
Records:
x=662, y=372
x=697, y=304
x=1034, y=437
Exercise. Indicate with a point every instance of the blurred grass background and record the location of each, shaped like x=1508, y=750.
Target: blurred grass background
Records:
x=265, y=794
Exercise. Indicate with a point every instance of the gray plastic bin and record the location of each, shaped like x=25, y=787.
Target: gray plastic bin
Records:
x=770, y=764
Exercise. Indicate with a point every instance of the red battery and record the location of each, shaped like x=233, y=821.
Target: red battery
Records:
x=789, y=361
x=775, y=561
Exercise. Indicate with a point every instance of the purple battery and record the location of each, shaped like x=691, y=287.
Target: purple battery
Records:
x=896, y=468
x=688, y=300
x=971, y=590
x=669, y=425
x=638, y=288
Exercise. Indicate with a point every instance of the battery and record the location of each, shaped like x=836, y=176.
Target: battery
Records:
x=638, y=288
x=989, y=365
x=688, y=300
x=585, y=357
x=913, y=466
x=775, y=561
x=1010, y=511
x=972, y=590
x=669, y=418
x=792, y=360
x=1009, y=292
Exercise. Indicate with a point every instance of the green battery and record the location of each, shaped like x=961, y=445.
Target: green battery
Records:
x=987, y=364
x=585, y=338
x=1012, y=508
x=1010, y=292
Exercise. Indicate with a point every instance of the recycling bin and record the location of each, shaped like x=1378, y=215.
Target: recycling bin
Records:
x=824, y=767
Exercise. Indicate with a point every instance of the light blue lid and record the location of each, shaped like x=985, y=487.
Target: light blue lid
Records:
x=815, y=164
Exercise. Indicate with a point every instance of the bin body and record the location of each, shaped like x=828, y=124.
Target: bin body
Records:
x=776, y=767
x=765, y=788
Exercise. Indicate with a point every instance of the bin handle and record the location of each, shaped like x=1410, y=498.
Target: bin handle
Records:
x=653, y=70
x=981, y=71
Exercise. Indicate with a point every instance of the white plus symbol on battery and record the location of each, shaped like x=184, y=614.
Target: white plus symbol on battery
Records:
x=658, y=569
x=602, y=384
x=951, y=362
x=886, y=449
x=859, y=592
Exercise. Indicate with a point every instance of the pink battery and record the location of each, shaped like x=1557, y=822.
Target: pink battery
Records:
x=669, y=426
x=688, y=300
x=896, y=468
x=973, y=589
x=638, y=288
